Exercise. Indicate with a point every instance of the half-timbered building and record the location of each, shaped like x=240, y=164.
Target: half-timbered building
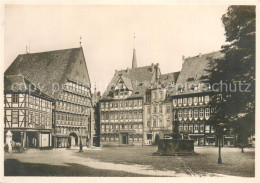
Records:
x=62, y=75
x=28, y=113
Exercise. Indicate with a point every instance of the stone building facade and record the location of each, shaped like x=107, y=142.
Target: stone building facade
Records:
x=158, y=109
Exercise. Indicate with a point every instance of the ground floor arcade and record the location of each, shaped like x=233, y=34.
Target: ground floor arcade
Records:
x=71, y=140
x=122, y=138
x=31, y=138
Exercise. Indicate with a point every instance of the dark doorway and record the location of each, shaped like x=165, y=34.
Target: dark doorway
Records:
x=124, y=139
x=31, y=139
x=17, y=137
x=157, y=139
x=73, y=140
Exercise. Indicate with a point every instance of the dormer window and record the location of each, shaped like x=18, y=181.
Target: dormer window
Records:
x=191, y=79
x=181, y=89
x=204, y=77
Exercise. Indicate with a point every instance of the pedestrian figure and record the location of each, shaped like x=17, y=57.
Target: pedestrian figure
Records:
x=80, y=146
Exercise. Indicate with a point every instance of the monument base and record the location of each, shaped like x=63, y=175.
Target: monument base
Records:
x=172, y=147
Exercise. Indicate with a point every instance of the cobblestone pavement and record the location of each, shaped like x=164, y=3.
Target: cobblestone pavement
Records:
x=130, y=161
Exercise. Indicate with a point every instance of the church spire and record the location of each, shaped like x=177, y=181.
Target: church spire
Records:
x=134, y=62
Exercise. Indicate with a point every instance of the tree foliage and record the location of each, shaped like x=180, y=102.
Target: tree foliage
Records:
x=234, y=102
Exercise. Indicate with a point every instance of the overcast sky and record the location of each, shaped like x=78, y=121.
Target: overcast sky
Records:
x=163, y=34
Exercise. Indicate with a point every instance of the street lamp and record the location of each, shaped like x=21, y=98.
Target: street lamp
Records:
x=221, y=126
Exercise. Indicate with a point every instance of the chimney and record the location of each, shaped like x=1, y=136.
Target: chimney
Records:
x=199, y=54
x=183, y=59
x=152, y=68
x=115, y=72
x=127, y=70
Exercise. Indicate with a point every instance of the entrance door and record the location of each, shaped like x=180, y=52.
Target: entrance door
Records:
x=73, y=140
x=124, y=139
x=32, y=139
x=157, y=139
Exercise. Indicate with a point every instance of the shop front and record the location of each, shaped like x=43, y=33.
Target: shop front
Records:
x=32, y=138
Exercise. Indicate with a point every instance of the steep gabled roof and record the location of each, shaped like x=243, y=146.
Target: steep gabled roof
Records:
x=166, y=80
x=127, y=82
x=140, y=77
x=194, y=72
x=50, y=68
x=18, y=83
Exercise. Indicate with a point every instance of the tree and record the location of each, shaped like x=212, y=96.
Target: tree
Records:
x=234, y=99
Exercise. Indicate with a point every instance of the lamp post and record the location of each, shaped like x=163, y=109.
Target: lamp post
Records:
x=221, y=126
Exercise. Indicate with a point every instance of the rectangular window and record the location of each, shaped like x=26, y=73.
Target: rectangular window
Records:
x=195, y=99
x=149, y=124
x=206, y=98
x=15, y=117
x=135, y=115
x=191, y=128
x=130, y=115
x=201, y=128
x=195, y=127
x=179, y=101
x=116, y=104
x=190, y=100
x=148, y=97
x=140, y=102
x=15, y=98
x=140, y=115
x=160, y=109
x=154, y=109
x=196, y=113
x=37, y=118
x=154, y=123
x=31, y=117
x=161, y=123
x=174, y=101
x=201, y=112
x=201, y=98
x=186, y=127
x=184, y=100
x=207, y=112
x=190, y=113
x=180, y=128
x=185, y=113
x=180, y=114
